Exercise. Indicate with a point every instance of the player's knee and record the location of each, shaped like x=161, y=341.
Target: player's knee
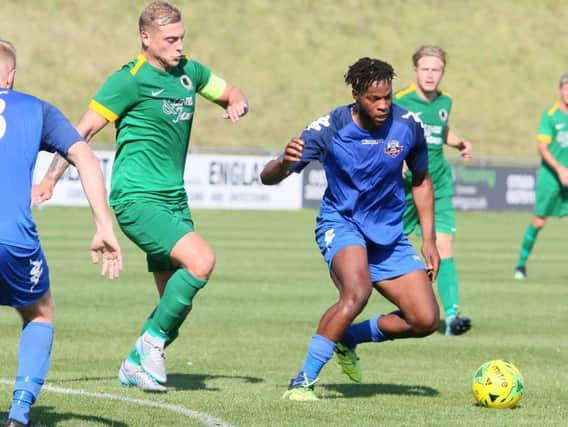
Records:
x=539, y=222
x=426, y=324
x=423, y=322
x=202, y=266
x=355, y=300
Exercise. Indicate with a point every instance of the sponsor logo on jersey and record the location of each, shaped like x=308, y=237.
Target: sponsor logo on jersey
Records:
x=433, y=134
x=186, y=82
x=393, y=148
x=372, y=141
x=562, y=138
x=559, y=126
x=36, y=271
x=443, y=113
x=175, y=108
x=157, y=92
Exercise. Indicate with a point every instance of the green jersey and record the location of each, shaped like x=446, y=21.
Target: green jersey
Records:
x=434, y=116
x=553, y=130
x=153, y=113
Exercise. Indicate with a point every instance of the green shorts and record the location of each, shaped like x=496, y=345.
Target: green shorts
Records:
x=551, y=198
x=444, y=217
x=155, y=227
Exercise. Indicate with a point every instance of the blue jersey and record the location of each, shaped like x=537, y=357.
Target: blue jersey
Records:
x=364, y=169
x=27, y=125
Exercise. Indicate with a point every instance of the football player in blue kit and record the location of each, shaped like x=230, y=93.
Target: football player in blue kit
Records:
x=28, y=125
x=359, y=229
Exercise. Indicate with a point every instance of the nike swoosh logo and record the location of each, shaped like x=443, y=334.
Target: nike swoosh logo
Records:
x=157, y=92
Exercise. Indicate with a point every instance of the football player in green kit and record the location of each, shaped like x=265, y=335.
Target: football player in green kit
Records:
x=552, y=179
x=151, y=100
x=433, y=107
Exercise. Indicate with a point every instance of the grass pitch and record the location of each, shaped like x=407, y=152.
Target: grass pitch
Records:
x=250, y=327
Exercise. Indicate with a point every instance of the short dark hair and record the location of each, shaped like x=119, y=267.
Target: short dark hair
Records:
x=367, y=71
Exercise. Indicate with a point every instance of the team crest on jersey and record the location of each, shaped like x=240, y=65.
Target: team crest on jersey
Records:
x=443, y=113
x=186, y=82
x=393, y=148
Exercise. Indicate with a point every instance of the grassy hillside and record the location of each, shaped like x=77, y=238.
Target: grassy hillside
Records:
x=505, y=58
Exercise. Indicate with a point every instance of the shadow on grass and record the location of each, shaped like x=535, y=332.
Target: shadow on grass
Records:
x=369, y=390
x=199, y=381
x=46, y=416
x=176, y=381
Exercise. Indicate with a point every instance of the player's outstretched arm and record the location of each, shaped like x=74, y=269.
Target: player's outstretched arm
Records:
x=104, y=240
x=423, y=194
x=278, y=169
x=88, y=126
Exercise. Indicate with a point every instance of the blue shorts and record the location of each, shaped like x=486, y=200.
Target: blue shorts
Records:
x=385, y=262
x=24, y=275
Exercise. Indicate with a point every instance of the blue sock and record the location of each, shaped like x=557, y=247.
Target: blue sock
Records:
x=366, y=331
x=320, y=351
x=34, y=356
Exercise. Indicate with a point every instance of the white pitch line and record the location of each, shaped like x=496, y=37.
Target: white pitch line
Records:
x=206, y=419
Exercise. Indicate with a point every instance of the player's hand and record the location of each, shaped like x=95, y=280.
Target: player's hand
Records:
x=106, y=244
x=236, y=110
x=293, y=151
x=404, y=169
x=431, y=258
x=42, y=192
x=563, y=175
x=466, y=150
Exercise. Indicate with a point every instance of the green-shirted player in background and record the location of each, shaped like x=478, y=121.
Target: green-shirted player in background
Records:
x=552, y=179
x=433, y=107
x=151, y=100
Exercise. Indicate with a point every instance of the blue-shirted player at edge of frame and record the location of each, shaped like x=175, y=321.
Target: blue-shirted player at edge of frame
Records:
x=28, y=125
x=359, y=229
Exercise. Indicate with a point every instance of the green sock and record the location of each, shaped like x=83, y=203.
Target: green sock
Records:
x=174, y=305
x=528, y=242
x=448, y=286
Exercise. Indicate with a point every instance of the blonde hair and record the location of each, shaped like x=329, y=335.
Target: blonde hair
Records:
x=7, y=55
x=158, y=13
x=563, y=79
x=429, y=50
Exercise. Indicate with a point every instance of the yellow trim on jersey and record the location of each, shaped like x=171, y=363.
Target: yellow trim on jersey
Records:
x=553, y=109
x=412, y=88
x=214, y=88
x=547, y=139
x=103, y=111
x=140, y=60
x=404, y=92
